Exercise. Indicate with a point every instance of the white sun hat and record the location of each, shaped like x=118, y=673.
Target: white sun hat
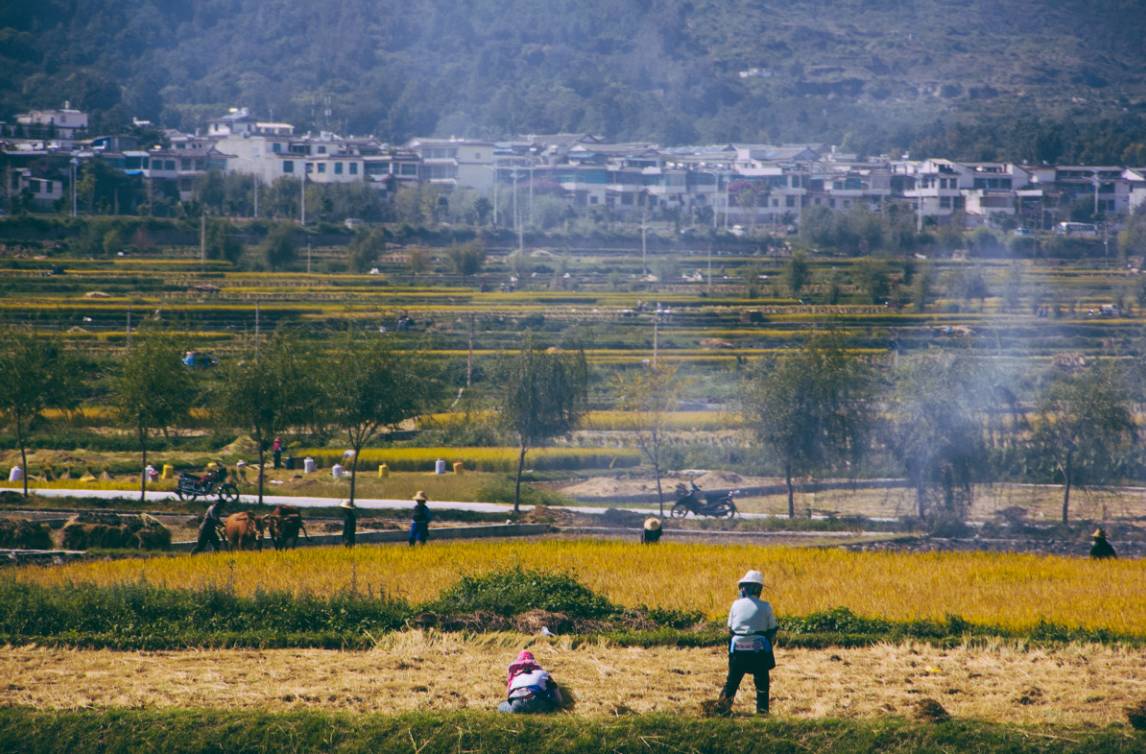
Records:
x=752, y=577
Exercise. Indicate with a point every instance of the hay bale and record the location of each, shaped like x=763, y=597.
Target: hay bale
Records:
x=931, y=711
x=25, y=535
x=111, y=530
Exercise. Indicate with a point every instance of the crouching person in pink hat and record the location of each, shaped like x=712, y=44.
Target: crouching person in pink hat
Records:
x=530, y=688
x=753, y=627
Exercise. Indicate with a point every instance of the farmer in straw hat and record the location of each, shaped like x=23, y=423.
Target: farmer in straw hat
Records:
x=349, y=522
x=1101, y=548
x=753, y=628
x=420, y=523
x=651, y=533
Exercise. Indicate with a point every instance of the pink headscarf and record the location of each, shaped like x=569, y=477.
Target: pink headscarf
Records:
x=523, y=664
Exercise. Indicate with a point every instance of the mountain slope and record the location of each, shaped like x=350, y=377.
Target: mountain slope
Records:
x=862, y=72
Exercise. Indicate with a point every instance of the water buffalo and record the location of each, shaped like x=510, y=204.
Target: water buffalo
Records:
x=243, y=531
x=284, y=524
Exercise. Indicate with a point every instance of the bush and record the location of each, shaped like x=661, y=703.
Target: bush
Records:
x=500, y=490
x=510, y=593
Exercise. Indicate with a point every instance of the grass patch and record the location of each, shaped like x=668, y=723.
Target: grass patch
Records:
x=188, y=730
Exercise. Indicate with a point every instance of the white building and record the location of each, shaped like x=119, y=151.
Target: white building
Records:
x=456, y=162
x=65, y=123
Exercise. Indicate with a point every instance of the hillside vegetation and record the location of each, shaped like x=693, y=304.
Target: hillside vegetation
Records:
x=865, y=73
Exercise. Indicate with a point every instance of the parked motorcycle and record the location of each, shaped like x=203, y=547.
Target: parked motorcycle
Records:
x=191, y=487
x=700, y=503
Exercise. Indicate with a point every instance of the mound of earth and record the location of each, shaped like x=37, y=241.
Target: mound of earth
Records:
x=599, y=487
x=717, y=480
x=243, y=446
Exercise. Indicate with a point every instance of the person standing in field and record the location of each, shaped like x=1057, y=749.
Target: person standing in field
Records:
x=420, y=523
x=277, y=451
x=753, y=627
x=209, y=528
x=1101, y=549
x=349, y=522
x=651, y=532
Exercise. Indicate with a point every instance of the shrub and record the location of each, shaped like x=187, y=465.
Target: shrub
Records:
x=517, y=591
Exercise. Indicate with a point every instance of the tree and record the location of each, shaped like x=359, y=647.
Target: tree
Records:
x=221, y=242
x=923, y=288
x=650, y=394
x=371, y=387
x=35, y=373
x=543, y=395
x=812, y=409
x=279, y=248
x=1013, y=288
x=151, y=390
x=466, y=259
x=273, y=387
x=874, y=280
x=935, y=431
x=483, y=210
x=418, y=259
x=1086, y=425
x=797, y=272
x=364, y=250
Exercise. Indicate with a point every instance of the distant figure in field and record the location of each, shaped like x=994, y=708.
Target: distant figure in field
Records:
x=753, y=627
x=651, y=533
x=1101, y=548
x=209, y=529
x=420, y=523
x=277, y=451
x=349, y=522
x=529, y=688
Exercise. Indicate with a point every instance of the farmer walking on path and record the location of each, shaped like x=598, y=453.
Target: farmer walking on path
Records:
x=420, y=524
x=753, y=627
x=349, y=522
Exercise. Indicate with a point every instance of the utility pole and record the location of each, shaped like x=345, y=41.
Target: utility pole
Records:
x=308, y=257
x=710, y=268
x=255, y=191
x=202, y=238
x=302, y=197
x=644, y=246
x=75, y=163
x=256, y=328
x=470, y=354
x=656, y=333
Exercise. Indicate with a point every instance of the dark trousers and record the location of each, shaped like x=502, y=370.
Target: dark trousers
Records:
x=419, y=532
x=741, y=664
x=278, y=454
x=208, y=535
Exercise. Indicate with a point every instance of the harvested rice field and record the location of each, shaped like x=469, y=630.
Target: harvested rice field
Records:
x=1067, y=685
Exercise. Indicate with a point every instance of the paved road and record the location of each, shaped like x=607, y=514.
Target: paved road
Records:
x=368, y=503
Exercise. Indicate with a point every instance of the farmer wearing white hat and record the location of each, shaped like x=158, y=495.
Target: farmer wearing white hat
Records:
x=349, y=522
x=753, y=627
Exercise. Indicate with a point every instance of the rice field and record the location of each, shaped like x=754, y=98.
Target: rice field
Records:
x=1069, y=685
x=1008, y=590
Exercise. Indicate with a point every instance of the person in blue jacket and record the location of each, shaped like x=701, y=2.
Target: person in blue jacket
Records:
x=420, y=523
x=752, y=626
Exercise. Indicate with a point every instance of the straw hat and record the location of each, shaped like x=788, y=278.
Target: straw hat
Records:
x=1099, y=532
x=348, y=505
x=420, y=497
x=652, y=524
x=752, y=577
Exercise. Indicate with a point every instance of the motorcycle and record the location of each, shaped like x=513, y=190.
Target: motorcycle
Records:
x=191, y=487
x=715, y=504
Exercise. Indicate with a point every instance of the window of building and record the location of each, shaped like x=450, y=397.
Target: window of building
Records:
x=354, y=168
x=338, y=168
x=169, y=165
x=322, y=167
x=309, y=168
x=945, y=202
x=185, y=164
x=789, y=201
x=276, y=147
x=321, y=150
x=288, y=166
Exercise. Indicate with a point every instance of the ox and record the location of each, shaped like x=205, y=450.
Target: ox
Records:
x=284, y=524
x=243, y=531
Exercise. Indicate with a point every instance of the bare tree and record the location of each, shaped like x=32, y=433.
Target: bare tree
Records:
x=650, y=394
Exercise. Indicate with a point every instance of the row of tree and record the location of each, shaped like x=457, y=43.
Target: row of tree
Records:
x=359, y=388
x=947, y=421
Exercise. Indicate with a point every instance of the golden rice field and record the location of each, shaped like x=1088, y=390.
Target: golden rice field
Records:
x=1010, y=590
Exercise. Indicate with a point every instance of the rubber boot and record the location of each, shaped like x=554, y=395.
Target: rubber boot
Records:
x=762, y=702
x=724, y=705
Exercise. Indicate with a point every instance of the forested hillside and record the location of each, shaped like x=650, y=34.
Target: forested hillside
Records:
x=868, y=74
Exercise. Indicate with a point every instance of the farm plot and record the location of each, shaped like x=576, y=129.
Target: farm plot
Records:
x=1015, y=592
x=416, y=671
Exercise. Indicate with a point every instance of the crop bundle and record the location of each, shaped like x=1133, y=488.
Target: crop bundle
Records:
x=84, y=531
